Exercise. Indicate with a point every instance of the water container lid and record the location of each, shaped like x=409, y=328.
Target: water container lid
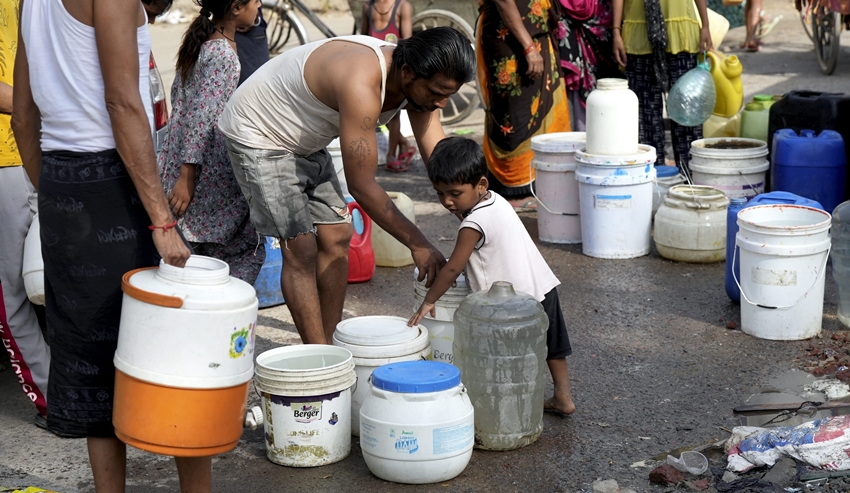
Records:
x=416, y=377
x=559, y=142
x=666, y=171
x=375, y=331
x=780, y=197
x=760, y=98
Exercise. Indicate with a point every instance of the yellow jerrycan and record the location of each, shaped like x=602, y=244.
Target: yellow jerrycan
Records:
x=726, y=72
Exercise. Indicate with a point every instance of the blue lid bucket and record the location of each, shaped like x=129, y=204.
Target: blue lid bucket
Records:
x=416, y=377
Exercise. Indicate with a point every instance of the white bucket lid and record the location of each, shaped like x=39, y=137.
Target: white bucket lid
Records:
x=645, y=155
x=375, y=331
x=559, y=142
x=738, y=148
x=461, y=284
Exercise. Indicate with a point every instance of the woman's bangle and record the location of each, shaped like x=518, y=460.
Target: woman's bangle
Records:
x=166, y=227
x=617, y=27
x=528, y=49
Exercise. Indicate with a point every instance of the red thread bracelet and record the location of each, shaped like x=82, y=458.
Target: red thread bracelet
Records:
x=528, y=50
x=168, y=226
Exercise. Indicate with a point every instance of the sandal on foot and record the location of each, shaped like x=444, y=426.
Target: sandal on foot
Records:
x=406, y=157
x=765, y=28
x=397, y=166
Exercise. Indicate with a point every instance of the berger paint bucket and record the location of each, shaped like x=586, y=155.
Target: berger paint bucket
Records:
x=616, y=203
x=783, y=251
x=306, y=393
x=556, y=191
x=734, y=165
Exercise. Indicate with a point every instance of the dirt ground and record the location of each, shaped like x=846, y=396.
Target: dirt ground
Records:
x=654, y=366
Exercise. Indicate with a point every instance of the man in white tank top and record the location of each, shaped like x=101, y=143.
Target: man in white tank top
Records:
x=278, y=123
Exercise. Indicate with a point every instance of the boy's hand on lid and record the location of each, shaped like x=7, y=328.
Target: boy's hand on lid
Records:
x=425, y=309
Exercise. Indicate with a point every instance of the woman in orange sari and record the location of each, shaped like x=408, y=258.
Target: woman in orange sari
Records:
x=522, y=90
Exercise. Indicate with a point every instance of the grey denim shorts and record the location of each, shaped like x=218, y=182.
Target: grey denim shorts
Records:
x=288, y=194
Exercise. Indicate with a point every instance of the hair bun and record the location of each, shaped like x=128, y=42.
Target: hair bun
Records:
x=206, y=13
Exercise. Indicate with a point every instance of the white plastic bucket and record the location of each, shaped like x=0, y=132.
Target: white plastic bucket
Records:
x=33, y=264
x=736, y=166
x=558, y=218
x=783, y=251
x=616, y=203
x=335, y=151
x=375, y=341
x=417, y=423
x=441, y=328
x=662, y=186
x=306, y=394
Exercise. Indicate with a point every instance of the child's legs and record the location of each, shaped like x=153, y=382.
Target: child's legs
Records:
x=677, y=66
x=558, y=348
x=641, y=76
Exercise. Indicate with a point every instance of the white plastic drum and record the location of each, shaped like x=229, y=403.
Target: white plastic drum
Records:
x=417, y=424
x=784, y=251
x=441, y=327
x=376, y=341
x=734, y=165
x=306, y=403
x=612, y=119
x=556, y=191
x=616, y=203
x=691, y=224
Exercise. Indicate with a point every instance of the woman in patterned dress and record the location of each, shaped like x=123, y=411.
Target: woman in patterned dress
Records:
x=523, y=92
x=194, y=164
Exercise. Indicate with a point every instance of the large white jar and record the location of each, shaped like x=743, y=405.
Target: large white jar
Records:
x=612, y=119
x=416, y=424
x=690, y=225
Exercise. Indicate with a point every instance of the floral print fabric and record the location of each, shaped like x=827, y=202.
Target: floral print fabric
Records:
x=584, y=46
x=517, y=106
x=218, y=213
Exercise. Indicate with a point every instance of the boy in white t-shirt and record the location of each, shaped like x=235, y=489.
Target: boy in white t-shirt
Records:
x=493, y=245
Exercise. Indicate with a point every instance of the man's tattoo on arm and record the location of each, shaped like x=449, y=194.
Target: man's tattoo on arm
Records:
x=360, y=151
x=367, y=124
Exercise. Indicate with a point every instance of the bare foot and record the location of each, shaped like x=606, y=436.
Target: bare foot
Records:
x=564, y=406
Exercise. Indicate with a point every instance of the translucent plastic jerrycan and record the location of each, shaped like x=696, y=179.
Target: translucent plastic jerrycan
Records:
x=692, y=98
x=389, y=252
x=500, y=348
x=841, y=259
x=726, y=72
x=754, y=121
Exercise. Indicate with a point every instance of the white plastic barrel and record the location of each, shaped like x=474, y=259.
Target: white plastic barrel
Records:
x=33, y=264
x=441, y=327
x=612, y=119
x=616, y=203
x=389, y=252
x=307, y=403
x=691, y=224
x=335, y=151
x=184, y=359
x=417, y=423
x=736, y=166
x=376, y=341
x=556, y=191
x=783, y=251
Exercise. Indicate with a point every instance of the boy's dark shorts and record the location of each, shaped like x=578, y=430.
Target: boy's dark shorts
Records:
x=557, y=339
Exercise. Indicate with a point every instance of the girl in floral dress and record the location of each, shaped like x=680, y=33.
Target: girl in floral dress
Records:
x=522, y=90
x=194, y=164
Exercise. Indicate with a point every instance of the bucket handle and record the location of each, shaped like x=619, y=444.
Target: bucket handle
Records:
x=531, y=187
x=744, y=295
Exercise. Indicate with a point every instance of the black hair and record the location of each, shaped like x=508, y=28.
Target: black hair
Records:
x=199, y=32
x=166, y=4
x=439, y=50
x=457, y=160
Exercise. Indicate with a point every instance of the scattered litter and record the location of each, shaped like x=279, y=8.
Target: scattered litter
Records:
x=602, y=425
x=28, y=489
x=645, y=438
x=834, y=389
x=666, y=475
x=819, y=443
x=640, y=464
x=731, y=325
x=690, y=462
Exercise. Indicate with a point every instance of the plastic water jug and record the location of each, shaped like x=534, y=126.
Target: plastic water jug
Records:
x=185, y=358
x=754, y=120
x=361, y=256
x=612, y=119
x=692, y=98
x=732, y=230
x=818, y=111
x=268, y=280
x=500, y=349
x=389, y=252
x=726, y=72
x=841, y=259
x=812, y=166
x=722, y=126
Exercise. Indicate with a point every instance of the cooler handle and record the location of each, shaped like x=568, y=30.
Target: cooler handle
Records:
x=146, y=296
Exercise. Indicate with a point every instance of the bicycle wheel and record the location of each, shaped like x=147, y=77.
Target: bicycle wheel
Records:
x=282, y=23
x=463, y=103
x=804, y=12
x=826, y=30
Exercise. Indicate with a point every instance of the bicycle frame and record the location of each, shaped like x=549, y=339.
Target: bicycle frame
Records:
x=284, y=5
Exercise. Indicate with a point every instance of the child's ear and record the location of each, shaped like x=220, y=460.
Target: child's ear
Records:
x=483, y=184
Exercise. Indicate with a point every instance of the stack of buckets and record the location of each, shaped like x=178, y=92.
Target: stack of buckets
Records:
x=615, y=176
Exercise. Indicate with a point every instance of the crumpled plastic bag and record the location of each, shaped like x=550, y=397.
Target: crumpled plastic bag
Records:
x=28, y=489
x=822, y=443
x=691, y=100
